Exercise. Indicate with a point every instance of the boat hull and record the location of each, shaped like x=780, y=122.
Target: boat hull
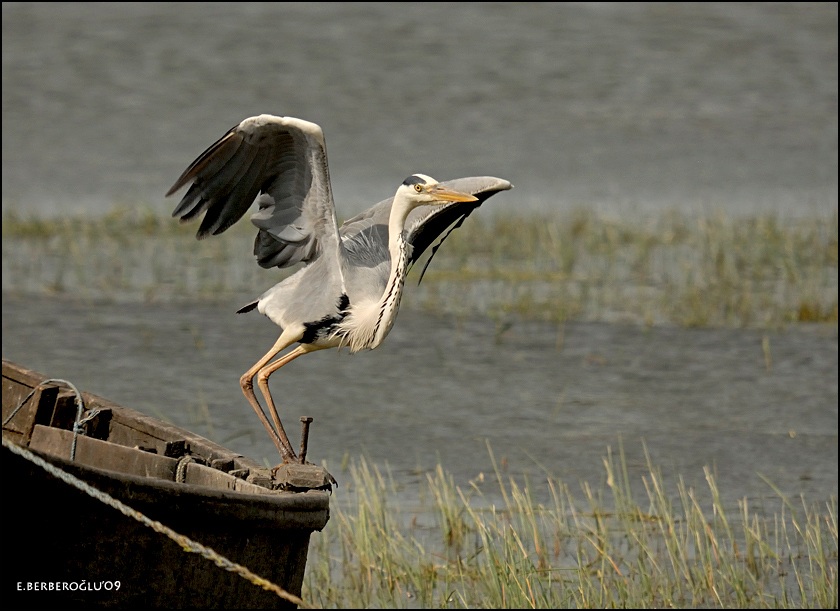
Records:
x=77, y=550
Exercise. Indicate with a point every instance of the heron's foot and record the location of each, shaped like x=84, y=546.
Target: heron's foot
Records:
x=295, y=473
x=327, y=475
x=329, y=480
x=298, y=477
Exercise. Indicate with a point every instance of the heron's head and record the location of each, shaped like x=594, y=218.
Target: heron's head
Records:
x=419, y=189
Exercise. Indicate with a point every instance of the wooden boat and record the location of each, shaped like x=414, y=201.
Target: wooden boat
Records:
x=63, y=547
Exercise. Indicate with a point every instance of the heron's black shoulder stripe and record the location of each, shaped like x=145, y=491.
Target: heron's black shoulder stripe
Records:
x=343, y=304
x=320, y=328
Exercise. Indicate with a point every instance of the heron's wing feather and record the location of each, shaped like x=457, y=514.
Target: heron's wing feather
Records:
x=368, y=232
x=282, y=160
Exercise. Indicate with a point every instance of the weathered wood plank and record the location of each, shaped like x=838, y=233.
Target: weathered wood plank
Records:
x=102, y=454
x=132, y=429
x=38, y=409
x=201, y=475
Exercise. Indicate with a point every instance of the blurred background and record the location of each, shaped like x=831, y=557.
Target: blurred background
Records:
x=623, y=107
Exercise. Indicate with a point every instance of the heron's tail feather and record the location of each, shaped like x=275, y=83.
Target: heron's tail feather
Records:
x=247, y=308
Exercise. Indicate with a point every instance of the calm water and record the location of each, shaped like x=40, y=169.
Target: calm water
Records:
x=547, y=399
x=625, y=107
x=629, y=108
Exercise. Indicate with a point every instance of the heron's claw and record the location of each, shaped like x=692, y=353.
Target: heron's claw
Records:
x=327, y=475
x=300, y=477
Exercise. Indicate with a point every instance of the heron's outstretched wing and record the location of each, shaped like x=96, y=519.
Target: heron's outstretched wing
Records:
x=284, y=161
x=367, y=232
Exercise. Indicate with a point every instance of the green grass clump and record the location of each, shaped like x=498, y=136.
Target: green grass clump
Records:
x=129, y=254
x=602, y=549
x=688, y=271
x=667, y=269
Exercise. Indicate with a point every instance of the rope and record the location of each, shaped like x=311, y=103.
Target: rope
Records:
x=187, y=544
x=181, y=468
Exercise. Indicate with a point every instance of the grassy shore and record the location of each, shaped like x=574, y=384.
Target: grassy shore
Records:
x=672, y=269
x=608, y=548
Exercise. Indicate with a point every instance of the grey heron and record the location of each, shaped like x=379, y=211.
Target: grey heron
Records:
x=347, y=292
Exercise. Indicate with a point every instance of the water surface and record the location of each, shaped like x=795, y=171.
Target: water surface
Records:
x=625, y=107
x=548, y=400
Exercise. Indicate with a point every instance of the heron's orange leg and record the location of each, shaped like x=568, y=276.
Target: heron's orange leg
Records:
x=278, y=436
x=264, y=373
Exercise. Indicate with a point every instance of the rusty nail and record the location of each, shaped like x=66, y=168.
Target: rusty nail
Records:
x=304, y=437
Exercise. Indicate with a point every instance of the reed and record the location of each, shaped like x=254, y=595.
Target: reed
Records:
x=668, y=269
x=615, y=547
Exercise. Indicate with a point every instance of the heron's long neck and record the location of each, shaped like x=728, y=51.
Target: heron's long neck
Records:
x=370, y=321
x=399, y=248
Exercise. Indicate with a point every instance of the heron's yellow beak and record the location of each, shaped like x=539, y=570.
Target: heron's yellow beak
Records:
x=449, y=195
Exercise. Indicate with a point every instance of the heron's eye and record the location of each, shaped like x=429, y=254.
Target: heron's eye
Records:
x=418, y=188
